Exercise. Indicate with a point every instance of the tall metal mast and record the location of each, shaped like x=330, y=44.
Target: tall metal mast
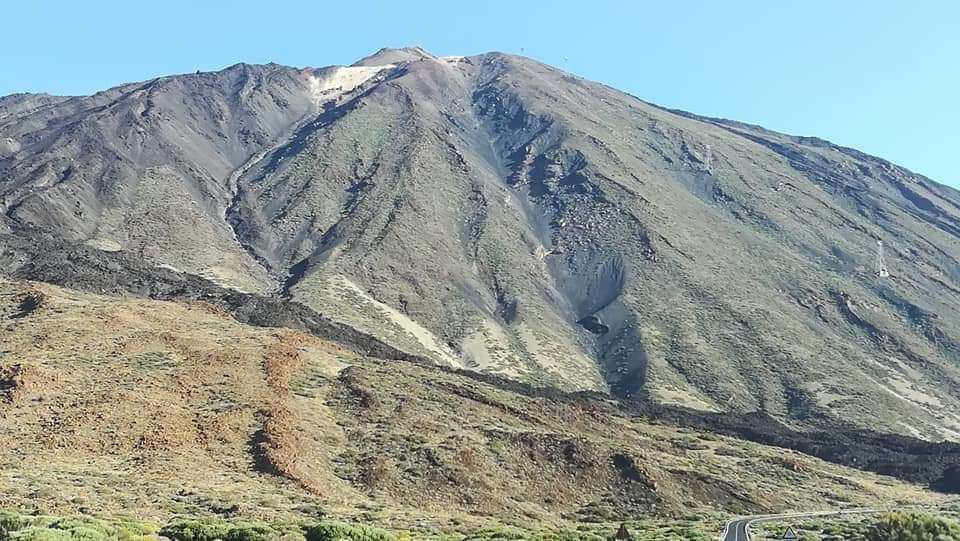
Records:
x=882, y=271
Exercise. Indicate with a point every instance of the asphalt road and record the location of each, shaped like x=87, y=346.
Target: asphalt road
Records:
x=738, y=529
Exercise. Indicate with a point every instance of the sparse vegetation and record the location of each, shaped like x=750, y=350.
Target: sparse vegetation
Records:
x=913, y=527
x=936, y=525
x=20, y=527
x=336, y=531
x=11, y=522
x=210, y=529
x=188, y=395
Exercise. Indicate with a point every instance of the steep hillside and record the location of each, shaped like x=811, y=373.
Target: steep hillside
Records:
x=147, y=167
x=178, y=408
x=497, y=214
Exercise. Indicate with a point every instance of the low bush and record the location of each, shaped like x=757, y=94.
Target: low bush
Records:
x=11, y=522
x=204, y=529
x=78, y=528
x=337, y=531
x=208, y=529
x=913, y=527
x=39, y=533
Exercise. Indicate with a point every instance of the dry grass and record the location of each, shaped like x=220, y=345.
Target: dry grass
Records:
x=129, y=405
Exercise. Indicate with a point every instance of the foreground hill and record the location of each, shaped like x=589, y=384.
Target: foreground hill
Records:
x=497, y=214
x=179, y=408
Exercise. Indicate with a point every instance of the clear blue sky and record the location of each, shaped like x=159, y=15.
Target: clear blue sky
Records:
x=882, y=76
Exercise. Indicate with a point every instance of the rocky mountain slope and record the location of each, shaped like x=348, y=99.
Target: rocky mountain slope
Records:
x=176, y=407
x=497, y=214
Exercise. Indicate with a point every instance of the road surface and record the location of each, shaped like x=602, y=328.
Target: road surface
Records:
x=738, y=529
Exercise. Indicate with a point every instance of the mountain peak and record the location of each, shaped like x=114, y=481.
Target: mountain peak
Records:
x=389, y=55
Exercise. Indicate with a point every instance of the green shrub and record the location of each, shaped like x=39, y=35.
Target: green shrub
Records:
x=86, y=533
x=206, y=529
x=568, y=535
x=35, y=533
x=292, y=536
x=77, y=528
x=251, y=532
x=11, y=522
x=913, y=527
x=82, y=528
x=130, y=530
x=336, y=531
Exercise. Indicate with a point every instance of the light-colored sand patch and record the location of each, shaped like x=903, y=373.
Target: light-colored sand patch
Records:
x=169, y=268
x=907, y=370
x=950, y=434
x=104, y=244
x=541, y=252
x=476, y=352
x=325, y=360
x=8, y=146
x=327, y=83
x=224, y=277
x=905, y=384
x=426, y=338
x=911, y=430
x=679, y=397
x=544, y=354
x=912, y=392
x=823, y=394
x=485, y=348
x=825, y=399
x=577, y=370
x=908, y=391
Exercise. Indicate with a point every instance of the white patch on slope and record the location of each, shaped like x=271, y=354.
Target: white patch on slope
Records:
x=484, y=352
x=330, y=82
x=104, y=244
x=423, y=335
x=907, y=386
x=8, y=147
x=169, y=268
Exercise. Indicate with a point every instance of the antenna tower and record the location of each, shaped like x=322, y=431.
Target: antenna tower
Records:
x=882, y=271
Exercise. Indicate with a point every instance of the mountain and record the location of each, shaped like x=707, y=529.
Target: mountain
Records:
x=494, y=214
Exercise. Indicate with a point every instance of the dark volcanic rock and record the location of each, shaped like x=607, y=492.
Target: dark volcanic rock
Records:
x=43, y=258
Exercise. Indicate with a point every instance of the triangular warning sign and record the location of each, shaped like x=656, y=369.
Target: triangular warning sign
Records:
x=790, y=534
